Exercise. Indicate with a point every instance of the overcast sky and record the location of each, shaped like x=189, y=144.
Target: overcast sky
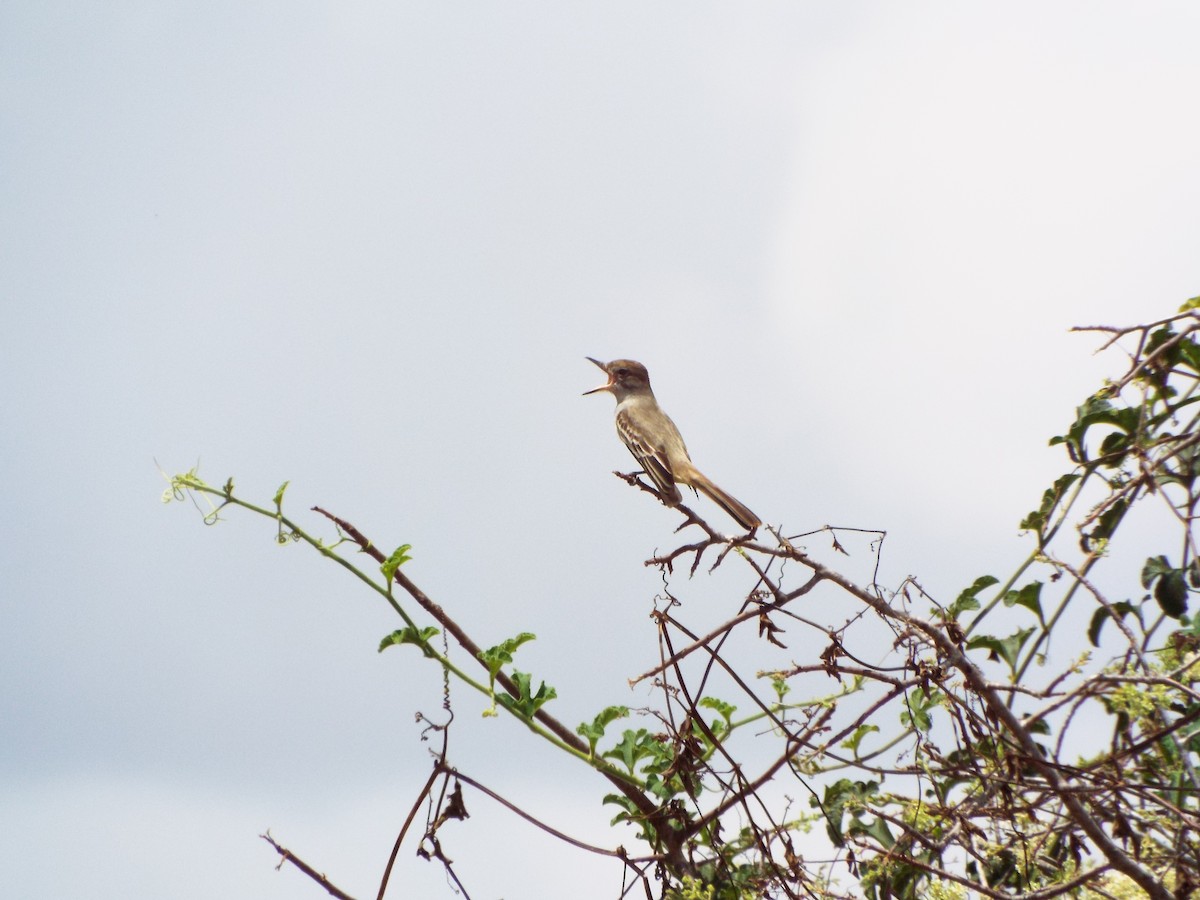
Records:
x=366, y=247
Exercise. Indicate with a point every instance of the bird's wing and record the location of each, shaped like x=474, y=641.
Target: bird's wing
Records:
x=652, y=459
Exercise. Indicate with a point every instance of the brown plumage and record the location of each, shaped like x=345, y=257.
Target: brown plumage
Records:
x=656, y=443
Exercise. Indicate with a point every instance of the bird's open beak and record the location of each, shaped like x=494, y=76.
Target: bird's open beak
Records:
x=607, y=386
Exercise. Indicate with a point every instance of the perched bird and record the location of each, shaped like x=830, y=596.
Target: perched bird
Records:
x=655, y=442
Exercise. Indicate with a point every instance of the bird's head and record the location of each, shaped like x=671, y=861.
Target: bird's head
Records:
x=625, y=376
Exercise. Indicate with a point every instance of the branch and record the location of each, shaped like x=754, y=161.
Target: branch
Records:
x=288, y=856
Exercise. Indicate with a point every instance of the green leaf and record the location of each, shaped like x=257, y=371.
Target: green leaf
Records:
x=1155, y=567
x=1038, y=726
x=1105, y=525
x=594, y=730
x=1159, y=337
x=918, y=706
x=1102, y=615
x=1115, y=442
x=876, y=828
x=497, y=657
x=278, y=494
x=1189, y=353
x=968, y=599
x=1006, y=649
x=1172, y=594
x=398, y=558
x=1186, y=469
x=1170, y=585
x=635, y=746
x=527, y=702
x=1096, y=410
x=409, y=635
x=1001, y=867
x=659, y=788
x=1040, y=517
x=780, y=687
x=851, y=743
x=629, y=813
x=843, y=794
x=725, y=710
x=1028, y=597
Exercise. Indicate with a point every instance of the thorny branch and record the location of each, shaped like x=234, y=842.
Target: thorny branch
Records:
x=1001, y=779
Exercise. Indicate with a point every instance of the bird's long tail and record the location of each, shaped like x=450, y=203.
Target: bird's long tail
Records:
x=736, y=509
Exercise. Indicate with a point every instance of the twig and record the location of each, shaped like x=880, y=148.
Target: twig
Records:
x=290, y=857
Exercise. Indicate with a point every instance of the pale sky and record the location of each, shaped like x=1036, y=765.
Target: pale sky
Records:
x=365, y=248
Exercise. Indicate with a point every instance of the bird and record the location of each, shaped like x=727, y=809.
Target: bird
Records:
x=655, y=442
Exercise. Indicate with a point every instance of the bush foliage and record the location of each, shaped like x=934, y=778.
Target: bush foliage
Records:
x=917, y=746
